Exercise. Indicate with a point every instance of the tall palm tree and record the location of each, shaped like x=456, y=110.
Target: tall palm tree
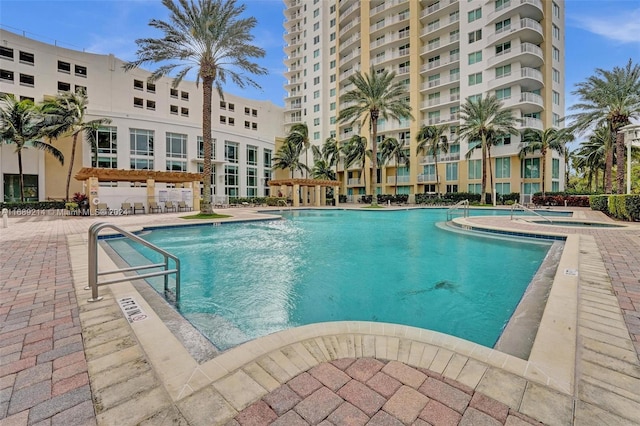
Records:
x=482, y=118
x=22, y=124
x=610, y=98
x=543, y=140
x=432, y=140
x=288, y=157
x=355, y=151
x=322, y=170
x=68, y=118
x=592, y=154
x=209, y=36
x=299, y=137
x=391, y=149
x=375, y=96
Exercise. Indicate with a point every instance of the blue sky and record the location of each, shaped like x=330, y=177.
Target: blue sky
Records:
x=599, y=33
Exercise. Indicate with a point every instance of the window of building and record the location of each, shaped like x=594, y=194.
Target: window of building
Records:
x=27, y=58
x=332, y=36
x=231, y=181
x=151, y=87
x=252, y=182
x=530, y=168
x=316, y=121
x=12, y=187
x=501, y=4
x=184, y=95
x=555, y=168
x=252, y=155
x=247, y=124
x=316, y=66
x=556, y=32
x=332, y=78
x=173, y=93
x=503, y=25
x=556, y=97
x=475, y=79
x=231, y=151
x=176, y=152
x=503, y=71
x=475, y=57
x=6, y=75
x=556, y=75
x=80, y=89
x=64, y=67
x=106, y=143
x=200, y=141
x=184, y=111
x=80, y=71
x=232, y=107
x=556, y=10
x=503, y=188
x=475, y=14
x=332, y=106
x=555, y=118
x=451, y=171
x=254, y=112
x=232, y=121
x=503, y=93
x=223, y=105
x=316, y=81
x=173, y=109
x=138, y=102
x=556, y=53
x=247, y=110
x=138, y=84
x=141, y=149
x=27, y=80
x=316, y=108
x=151, y=105
x=475, y=36
x=503, y=48
x=6, y=53
x=64, y=87
x=316, y=13
x=316, y=26
x=503, y=168
x=316, y=40
x=504, y=140
x=404, y=32
x=475, y=169
x=254, y=126
x=332, y=64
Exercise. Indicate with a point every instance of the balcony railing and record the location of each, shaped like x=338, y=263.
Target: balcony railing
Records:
x=451, y=78
x=353, y=182
x=442, y=158
x=422, y=178
x=530, y=122
x=524, y=23
x=401, y=179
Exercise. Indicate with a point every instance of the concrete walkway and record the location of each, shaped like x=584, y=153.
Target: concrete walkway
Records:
x=65, y=361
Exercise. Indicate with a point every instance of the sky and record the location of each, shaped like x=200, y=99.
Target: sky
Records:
x=599, y=33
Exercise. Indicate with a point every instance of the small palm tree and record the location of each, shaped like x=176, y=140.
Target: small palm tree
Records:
x=322, y=170
x=610, y=98
x=591, y=155
x=375, y=95
x=299, y=137
x=391, y=149
x=485, y=119
x=432, y=140
x=211, y=37
x=288, y=157
x=355, y=151
x=68, y=117
x=22, y=124
x=538, y=140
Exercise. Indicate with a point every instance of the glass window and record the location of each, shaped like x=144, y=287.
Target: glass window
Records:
x=141, y=142
x=64, y=67
x=231, y=151
x=503, y=188
x=556, y=32
x=176, y=145
x=451, y=171
x=530, y=168
x=503, y=168
x=555, y=97
x=231, y=181
x=107, y=145
x=26, y=58
x=12, y=187
x=555, y=168
x=503, y=71
x=475, y=14
x=252, y=182
x=503, y=93
x=503, y=25
x=201, y=147
x=266, y=156
x=475, y=79
x=531, y=188
x=475, y=188
x=475, y=36
x=556, y=54
x=81, y=71
x=503, y=48
x=475, y=169
x=475, y=57
x=556, y=75
x=252, y=155
x=6, y=52
x=556, y=10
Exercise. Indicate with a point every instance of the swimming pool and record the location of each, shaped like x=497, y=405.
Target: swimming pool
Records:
x=245, y=280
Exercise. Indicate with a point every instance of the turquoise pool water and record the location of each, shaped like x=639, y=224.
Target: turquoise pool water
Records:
x=246, y=280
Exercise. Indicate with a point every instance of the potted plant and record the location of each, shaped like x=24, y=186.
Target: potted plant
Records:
x=82, y=202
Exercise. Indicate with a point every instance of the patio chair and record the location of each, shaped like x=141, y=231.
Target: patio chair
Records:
x=126, y=208
x=183, y=207
x=138, y=207
x=169, y=206
x=154, y=207
x=102, y=209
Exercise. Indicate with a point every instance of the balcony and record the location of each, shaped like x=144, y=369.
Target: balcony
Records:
x=528, y=54
x=441, y=81
x=532, y=25
x=531, y=8
x=391, y=180
x=528, y=77
x=442, y=158
x=532, y=123
x=428, y=178
x=386, y=5
x=390, y=57
x=440, y=44
x=354, y=23
x=292, y=120
x=352, y=39
x=449, y=60
x=352, y=8
x=354, y=182
x=441, y=5
x=439, y=101
x=346, y=74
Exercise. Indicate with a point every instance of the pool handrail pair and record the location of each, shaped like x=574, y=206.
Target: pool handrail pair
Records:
x=95, y=229
x=462, y=204
x=527, y=209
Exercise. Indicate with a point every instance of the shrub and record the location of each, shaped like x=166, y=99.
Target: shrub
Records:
x=560, y=199
x=459, y=196
x=33, y=205
x=366, y=199
x=632, y=203
x=509, y=199
x=342, y=198
x=599, y=203
x=396, y=199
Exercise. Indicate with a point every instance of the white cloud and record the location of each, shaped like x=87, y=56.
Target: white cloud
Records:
x=620, y=27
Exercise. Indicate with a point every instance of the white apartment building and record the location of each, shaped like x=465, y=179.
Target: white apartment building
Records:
x=154, y=126
x=444, y=51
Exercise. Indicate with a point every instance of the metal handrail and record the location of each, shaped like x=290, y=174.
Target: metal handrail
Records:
x=94, y=230
x=513, y=207
x=465, y=209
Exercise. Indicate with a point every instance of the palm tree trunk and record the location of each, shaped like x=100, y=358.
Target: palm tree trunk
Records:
x=543, y=166
x=484, y=170
x=73, y=156
x=435, y=160
x=21, y=175
x=396, y=190
x=374, y=159
x=607, y=171
x=620, y=161
x=207, y=85
x=490, y=172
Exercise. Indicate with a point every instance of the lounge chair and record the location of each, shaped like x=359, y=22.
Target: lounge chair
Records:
x=154, y=207
x=102, y=209
x=169, y=206
x=138, y=207
x=183, y=207
x=126, y=208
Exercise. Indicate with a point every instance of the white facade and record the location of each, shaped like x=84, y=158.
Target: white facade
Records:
x=244, y=130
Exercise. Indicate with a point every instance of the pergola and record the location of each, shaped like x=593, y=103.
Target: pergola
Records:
x=93, y=175
x=309, y=189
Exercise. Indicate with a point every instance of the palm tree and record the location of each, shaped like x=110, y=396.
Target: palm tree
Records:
x=375, y=95
x=323, y=170
x=538, y=140
x=484, y=118
x=288, y=157
x=391, y=149
x=299, y=137
x=21, y=123
x=432, y=141
x=355, y=151
x=211, y=37
x=610, y=98
x=68, y=117
x=592, y=154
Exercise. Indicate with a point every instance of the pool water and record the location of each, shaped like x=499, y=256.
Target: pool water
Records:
x=246, y=280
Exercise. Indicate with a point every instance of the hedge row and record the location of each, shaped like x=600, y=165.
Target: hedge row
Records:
x=269, y=201
x=396, y=199
x=560, y=199
x=33, y=205
x=624, y=207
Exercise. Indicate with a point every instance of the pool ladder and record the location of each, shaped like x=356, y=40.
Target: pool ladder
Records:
x=527, y=209
x=95, y=229
x=460, y=205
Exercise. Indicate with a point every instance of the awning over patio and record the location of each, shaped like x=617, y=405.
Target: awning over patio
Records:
x=307, y=190
x=117, y=175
